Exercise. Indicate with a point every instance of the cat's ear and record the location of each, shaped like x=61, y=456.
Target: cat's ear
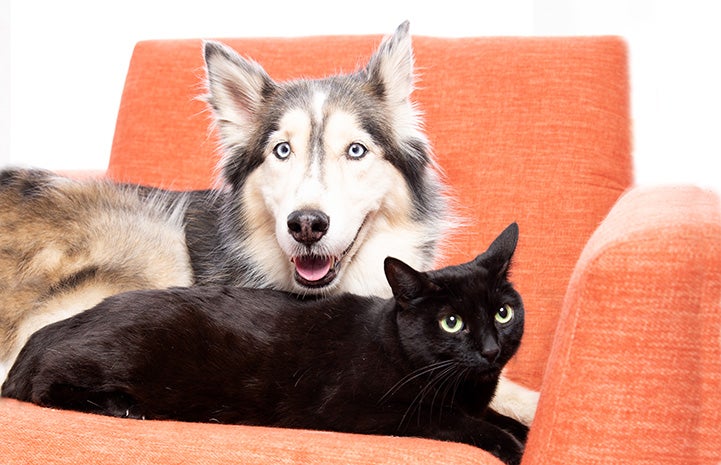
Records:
x=497, y=259
x=406, y=283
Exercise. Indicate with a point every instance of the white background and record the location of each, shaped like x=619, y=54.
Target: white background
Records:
x=63, y=63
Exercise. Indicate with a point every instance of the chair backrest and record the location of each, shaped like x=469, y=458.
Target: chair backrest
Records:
x=533, y=130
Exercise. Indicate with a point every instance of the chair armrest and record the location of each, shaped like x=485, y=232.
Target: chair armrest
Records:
x=634, y=375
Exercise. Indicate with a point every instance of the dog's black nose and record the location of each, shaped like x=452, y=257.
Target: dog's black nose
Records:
x=308, y=226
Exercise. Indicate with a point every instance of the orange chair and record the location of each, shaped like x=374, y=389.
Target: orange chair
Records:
x=622, y=285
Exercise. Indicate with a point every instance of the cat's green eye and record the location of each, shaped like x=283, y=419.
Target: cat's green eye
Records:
x=451, y=324
x=504, y=314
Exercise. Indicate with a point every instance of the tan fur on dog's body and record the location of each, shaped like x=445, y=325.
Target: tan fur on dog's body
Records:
x=66, y=245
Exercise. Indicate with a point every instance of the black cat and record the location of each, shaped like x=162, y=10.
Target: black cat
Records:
x=424, y=363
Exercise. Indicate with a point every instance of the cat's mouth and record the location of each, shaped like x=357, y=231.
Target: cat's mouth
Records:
x=488, y=374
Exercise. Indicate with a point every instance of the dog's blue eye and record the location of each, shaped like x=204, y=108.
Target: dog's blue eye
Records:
x=356, y=150
x=282, y=150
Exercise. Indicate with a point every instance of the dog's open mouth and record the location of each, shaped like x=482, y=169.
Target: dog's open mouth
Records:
x=315, y=271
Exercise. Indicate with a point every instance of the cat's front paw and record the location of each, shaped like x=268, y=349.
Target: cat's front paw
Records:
x=509, y=450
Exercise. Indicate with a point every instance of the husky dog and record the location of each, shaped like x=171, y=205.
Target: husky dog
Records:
x=321, y=180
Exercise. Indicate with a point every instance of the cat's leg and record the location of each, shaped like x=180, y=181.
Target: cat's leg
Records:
x=113, y=403
x=483, y=434
x=515, y=401
x=517, y=429
x=70, y=379
x=448, y=424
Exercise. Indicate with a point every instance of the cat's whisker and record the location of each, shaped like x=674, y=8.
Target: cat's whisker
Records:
x=436, y=378
x=414, y=375
x=415, y=404
x=460, y=376
x=450, y=383
x=442, y=382
x=431, y=370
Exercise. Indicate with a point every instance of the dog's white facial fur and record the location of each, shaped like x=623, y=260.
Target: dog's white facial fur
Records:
x=334, y=184
x=366, y=199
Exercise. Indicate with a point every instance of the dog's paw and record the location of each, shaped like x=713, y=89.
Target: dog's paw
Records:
x=515, y=401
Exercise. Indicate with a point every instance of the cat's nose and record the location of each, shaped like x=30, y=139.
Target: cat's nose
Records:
x=490, y=349
x=491, y=354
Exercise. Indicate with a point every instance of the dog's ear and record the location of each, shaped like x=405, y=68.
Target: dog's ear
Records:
x=237, y=87
x=390, y=69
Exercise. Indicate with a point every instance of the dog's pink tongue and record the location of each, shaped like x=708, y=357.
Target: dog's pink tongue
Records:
x=312, y=268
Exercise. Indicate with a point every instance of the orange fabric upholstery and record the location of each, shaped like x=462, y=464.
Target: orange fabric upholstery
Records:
x=635, y=374
x=35, y=435
x=533, y=130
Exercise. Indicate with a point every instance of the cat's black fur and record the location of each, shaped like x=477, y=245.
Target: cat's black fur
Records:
x=262, y=357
